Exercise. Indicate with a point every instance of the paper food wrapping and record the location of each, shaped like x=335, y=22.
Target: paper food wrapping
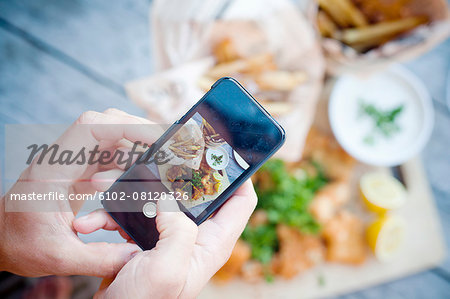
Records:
x=192, y=132
x=183, y=39
x=341, y=58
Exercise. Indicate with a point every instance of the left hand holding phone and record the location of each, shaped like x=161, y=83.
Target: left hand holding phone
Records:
x=45, y=243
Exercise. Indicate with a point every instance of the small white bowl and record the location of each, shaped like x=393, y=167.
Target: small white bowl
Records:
x=385, y=90
x=218, y=151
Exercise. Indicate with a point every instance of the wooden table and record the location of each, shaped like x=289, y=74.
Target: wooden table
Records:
x=60, y=58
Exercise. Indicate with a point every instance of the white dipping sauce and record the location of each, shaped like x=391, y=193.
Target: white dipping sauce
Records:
x=386, y=91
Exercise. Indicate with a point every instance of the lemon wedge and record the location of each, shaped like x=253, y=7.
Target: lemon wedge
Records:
x=217, y=177
x=218, y=187
x=381, y=192
x=385, y=237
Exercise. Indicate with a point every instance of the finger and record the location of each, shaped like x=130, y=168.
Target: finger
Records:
x=218, y=235
x=172, y=255
x=102, y=181
x=114, y=111
x=86, y=134
x=176, y=230
x=231, y=219
x=98, y=219
x=101, y=259
x=122, y=161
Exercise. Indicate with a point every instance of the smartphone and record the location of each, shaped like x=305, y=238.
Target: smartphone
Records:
x=200, y=161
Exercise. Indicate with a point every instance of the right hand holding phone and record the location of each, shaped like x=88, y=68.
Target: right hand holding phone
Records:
x=185, y=257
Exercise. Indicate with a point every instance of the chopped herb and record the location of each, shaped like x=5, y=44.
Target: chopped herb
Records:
x=321, y=280
x=384, y=121
x=217, y=159
x=285, y=201
x=263, y=241
x=197, y=179
x=269, y=277
x=288, y=200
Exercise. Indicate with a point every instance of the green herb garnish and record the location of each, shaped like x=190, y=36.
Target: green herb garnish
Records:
x=197, y=179
x=384, y=121
x=263, y=240
x=217, y=160
x=321, y=280
x=285, y=201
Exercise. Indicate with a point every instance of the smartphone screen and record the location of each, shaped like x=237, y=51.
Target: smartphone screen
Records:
x=200, y=161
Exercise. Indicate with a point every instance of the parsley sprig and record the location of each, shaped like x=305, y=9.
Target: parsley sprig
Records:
x=385, y=121
x=286, y=202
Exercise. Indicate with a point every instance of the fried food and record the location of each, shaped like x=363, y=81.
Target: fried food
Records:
x=298, y=252
x=334, y=10
x=259, y=72
x=280, y=80
x=325, y=25
x=384, y=10
x=198, y=182
x=176, y=172
x=366, y=24
x=225, y=51
x=240, y=254
x=187, y=145
x=324, y=150
x=280, y=245
x=210, y=136
x=354, y=16
x=252, y=271
x=379, y=32
x=344, y=236
x=257, y=63
x=329, y=200
x=208, y=184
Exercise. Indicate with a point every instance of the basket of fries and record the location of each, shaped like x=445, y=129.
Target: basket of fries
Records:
x=251, y=41
x=369, y=34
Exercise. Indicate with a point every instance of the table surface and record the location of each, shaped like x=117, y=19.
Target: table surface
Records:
x=60, y=58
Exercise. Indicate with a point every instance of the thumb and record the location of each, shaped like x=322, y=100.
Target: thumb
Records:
x=166, y=266
x=162, y=271
x=177, y=233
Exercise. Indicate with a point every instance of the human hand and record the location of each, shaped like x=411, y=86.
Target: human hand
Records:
x=45, y=243
x=185, y=257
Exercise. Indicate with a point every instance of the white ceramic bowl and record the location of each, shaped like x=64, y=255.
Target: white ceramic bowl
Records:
x=385, y=90
x=220, y=152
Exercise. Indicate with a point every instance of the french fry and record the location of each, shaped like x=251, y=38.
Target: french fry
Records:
x=334, y=10
x=352, y=13
x=367, y=45
x=260, y=63
x=325, y=25
x=280, y=80
x=380, y=31
x=255, y=63
x=227, y=68
x=225, y=51
x=259, y=72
